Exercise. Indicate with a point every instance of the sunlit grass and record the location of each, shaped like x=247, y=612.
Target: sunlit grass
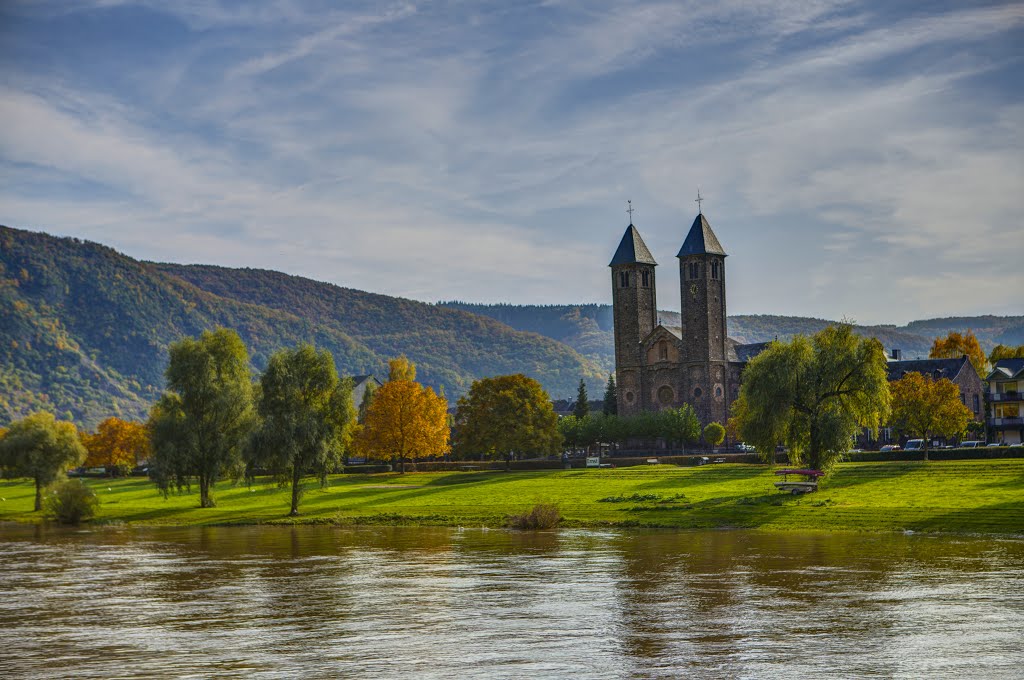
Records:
x=984, y=496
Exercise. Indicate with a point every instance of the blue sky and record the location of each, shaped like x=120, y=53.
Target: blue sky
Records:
x=863, y=160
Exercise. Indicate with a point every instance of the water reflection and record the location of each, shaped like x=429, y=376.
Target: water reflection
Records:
x=434, y=602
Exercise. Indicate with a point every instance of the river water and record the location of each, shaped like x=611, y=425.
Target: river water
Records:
x=447, y=603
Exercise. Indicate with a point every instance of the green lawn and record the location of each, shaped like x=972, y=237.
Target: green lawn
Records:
x=983, y=496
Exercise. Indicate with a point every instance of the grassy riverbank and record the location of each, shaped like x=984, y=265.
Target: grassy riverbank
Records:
x=983, y=496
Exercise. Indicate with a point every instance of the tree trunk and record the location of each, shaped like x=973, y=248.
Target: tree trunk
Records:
x=401, y=465
x=296, y=489
x=205, y=500
x=39, y=495
x=924, y=446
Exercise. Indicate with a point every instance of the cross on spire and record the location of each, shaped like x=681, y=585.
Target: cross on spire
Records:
x=699, y=199
x=630, y=211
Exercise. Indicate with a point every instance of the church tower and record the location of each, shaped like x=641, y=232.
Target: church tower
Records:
x=635, y=309
x=702, y=283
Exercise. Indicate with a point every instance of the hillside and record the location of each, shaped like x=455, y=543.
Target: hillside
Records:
x=588, y=328
x=84, y=329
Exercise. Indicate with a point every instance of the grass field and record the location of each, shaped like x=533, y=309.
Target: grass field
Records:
x=977, y=496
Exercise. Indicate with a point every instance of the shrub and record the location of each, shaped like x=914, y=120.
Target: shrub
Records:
x=71, y=502
x=542, y=516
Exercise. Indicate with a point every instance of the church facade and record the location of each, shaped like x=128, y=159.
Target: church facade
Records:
x=659, y=366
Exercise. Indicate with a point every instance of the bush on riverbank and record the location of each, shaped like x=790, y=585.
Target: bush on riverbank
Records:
x=72, y=502
x=541, y=516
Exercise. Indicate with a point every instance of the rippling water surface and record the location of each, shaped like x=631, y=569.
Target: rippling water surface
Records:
x=443, y=603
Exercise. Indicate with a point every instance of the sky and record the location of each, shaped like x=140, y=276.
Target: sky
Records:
x=857, y=159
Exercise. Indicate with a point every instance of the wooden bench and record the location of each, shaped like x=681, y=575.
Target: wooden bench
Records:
x=652, y=461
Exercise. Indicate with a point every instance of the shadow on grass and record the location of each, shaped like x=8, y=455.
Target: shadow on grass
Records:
x=997, y=518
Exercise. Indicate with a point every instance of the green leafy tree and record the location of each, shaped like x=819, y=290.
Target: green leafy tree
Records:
x=1005, y=352
x=569, y=428
x=714, y=434
x=678, y=426
x=611, y=397
x=813, y=395
x=306, y=416
x=200, y=426
x=364, y=403
x=928, y=408
x=41, y=448
x=582, y=408
x=506, y=415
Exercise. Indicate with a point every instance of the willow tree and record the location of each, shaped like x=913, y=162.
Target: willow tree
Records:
x=200, y=426
x=306, y=416
x=41, y=448
x=814, y=395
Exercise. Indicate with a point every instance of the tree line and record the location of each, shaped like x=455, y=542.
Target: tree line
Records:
x=218, y=421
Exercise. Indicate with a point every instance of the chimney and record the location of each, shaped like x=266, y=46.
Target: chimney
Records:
x=897, y=355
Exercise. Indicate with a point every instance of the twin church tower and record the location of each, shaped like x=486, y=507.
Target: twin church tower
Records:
x=659, y=366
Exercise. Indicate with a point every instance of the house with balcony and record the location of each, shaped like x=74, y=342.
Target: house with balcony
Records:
x=1006, y=400
x=959, y=371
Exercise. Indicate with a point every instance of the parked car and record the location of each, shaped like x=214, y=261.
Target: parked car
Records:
x=914, y=445
x=995, y=444
x=890, y=447
x=971, y=444
x=746, y=448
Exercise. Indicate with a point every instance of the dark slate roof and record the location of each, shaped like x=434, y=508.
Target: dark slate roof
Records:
x=632, y=249
x=701, y=240
x=1006, y=368
x=358, y=380
x=747, y=352
x=933, y=368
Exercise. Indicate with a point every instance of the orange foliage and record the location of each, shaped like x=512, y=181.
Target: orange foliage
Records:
x=404, y=420
x=955, y=345
x=117, y=444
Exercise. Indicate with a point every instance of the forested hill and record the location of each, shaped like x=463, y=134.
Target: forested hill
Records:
x=588, y=327
x=84, y=330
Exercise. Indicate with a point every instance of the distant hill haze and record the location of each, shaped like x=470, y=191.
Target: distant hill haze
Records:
x=588, y=328
x=84, y=330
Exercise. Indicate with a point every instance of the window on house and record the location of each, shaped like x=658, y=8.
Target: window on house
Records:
x=624, y=279
x=714, y=270
x=663, y=350
x=977, y=405
x=645, y=279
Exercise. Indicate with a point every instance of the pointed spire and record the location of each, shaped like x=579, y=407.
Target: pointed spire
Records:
x=701, y=240
x=632, y=249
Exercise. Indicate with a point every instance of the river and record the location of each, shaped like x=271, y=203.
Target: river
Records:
x=269, y=602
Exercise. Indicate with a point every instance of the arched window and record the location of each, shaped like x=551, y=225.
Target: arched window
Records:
x=714, y=270
x=645, y=279
x=663, y=350
x=623, y=279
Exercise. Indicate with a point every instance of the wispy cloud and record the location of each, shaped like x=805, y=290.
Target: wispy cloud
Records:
x=485, y=151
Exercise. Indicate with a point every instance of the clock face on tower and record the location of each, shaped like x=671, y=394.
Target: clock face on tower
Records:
x=693, y=289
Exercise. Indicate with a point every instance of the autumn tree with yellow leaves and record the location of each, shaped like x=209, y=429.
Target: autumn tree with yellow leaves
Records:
x=955, y=345
x=405, y=420
x=117, y=445
x=928, y=408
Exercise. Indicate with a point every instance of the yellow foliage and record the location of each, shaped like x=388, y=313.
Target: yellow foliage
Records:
x=401, y=369
x=117, y=443
x=404, y=420
x=928, y=408
x=956, y=345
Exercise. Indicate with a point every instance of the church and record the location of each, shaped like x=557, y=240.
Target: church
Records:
x=659, y=366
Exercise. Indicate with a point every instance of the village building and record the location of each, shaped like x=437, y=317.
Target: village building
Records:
x=1005, y=387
